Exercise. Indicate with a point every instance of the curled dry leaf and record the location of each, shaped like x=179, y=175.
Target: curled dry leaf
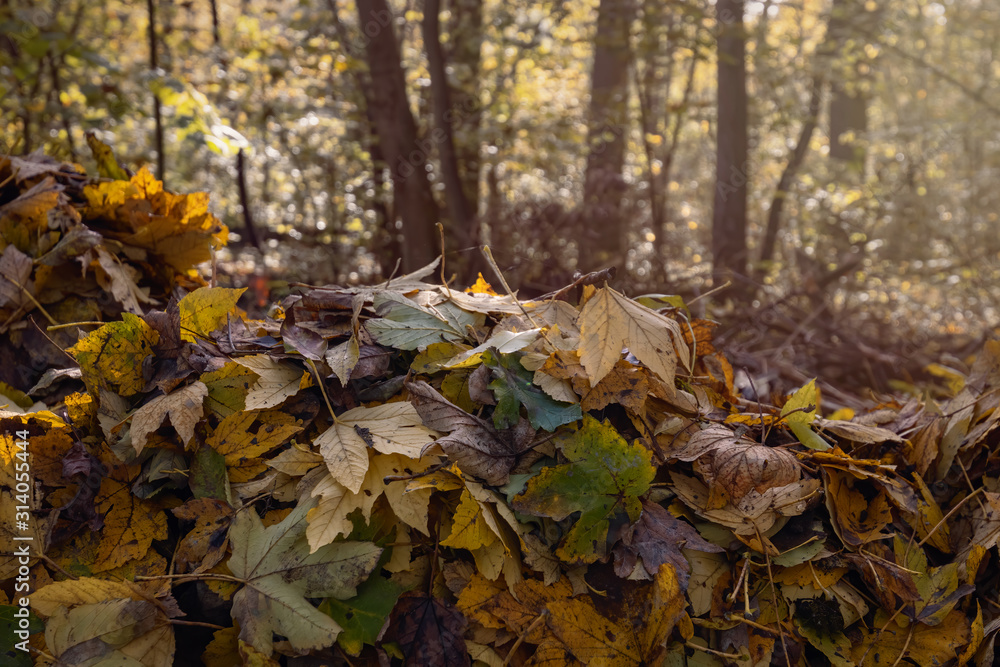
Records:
x=737, y=465
x=472, y=442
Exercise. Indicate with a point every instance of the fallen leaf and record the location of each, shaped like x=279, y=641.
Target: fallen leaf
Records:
x=111, y=357
x=734, y=465
x=472, y=442
x=609, y=321
x=429, y=631
x=184, y=407
x=513, y=388
x=658, y=538
x=205, y=310
x=602, y=480
x=278, y=572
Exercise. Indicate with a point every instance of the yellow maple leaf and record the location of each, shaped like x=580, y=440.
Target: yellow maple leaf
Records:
x=112, y=356
x=480, y=287
x=242, y=437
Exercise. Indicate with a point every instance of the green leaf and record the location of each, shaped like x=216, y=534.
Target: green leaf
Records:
x=208, y=478
x=405, y=325
x=513, y=388
x=8, y=625
x=602, y=480
x=279, y=572
x=363, y=616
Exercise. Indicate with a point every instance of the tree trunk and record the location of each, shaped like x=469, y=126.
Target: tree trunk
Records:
x=788, y=175
x=604, y=186
x=848, y=101
x=463, y=53
x=397, y=132
x=729, y=222
x=443, y=136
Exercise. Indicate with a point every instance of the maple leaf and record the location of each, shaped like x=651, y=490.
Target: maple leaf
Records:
x=887, y=643
x=859, y=514
x=363, y=616
x=243, y=437
x=625, y=631
x=277, y=380
x=119, y=631
x=658, y=538
x=111, y=357
x=513, y=388
x=278, y=572
x=603, y=479
x=15, y=274
x=206, y=543
x=610, y=321
x=121, y=280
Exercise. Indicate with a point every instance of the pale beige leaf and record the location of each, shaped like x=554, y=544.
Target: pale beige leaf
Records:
x=277, y=381
x=72, y=593
x=328, y=520
x=121, y=631
x=184, y=406
x=610, y=321
x=296, y=460
x=346, y=454
x=394, y=428
x=120, y=279
x=343, y=358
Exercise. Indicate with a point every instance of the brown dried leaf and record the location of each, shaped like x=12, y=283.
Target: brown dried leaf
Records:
x=472, y=442
x=658, y=538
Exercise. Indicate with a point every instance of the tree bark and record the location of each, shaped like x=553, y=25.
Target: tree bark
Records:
x=788, y=175
x=848, y=102
x=397, y=132
x=157, y=113
x=464, y=54
x=442, y=135
x=604, y=186
x=729, y=221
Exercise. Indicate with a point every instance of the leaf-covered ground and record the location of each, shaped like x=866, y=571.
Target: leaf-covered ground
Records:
x=410, y=473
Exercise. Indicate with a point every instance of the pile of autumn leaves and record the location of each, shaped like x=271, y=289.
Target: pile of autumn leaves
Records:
x=79, y=250
x=411, y=473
